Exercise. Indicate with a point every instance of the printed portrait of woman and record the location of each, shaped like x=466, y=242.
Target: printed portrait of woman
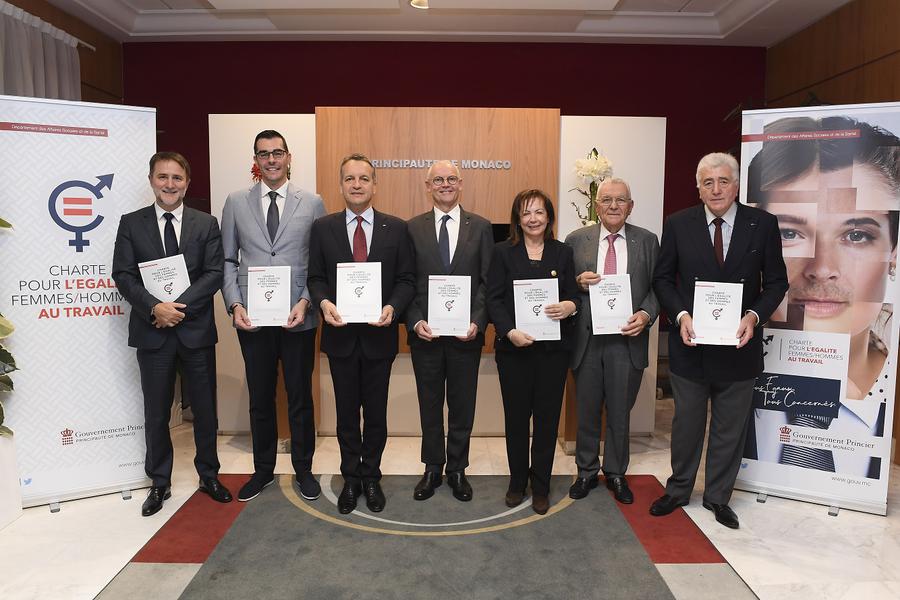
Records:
x=834, y=185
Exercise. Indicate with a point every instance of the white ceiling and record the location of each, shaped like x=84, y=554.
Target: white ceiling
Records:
x=712, y=22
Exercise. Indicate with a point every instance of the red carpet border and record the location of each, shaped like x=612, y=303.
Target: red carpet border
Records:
x=196, y=528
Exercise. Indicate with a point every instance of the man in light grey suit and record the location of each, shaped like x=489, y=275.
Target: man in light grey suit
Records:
x=268, y=225
x=608, y=368
x=447, y=240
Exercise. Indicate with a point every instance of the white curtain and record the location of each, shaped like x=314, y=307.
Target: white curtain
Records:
x=36, y=58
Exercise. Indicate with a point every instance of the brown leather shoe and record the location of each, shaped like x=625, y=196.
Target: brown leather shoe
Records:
x=540, y=504
x=514, y=498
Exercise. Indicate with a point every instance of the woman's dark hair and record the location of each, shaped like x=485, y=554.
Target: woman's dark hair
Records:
x=518, y=207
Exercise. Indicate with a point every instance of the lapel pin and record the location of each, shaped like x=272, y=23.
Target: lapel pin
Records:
x=553, y=273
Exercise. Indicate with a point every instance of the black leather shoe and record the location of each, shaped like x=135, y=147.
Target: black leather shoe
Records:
x=724, y=514
x=215, y=489
x=540, y=504
x=425, y=488
x=309, y=487
x=347, y=500
x=462, y=491
x=514, y=497
x=254, y=486
x=665, y=504
x=374, y=496
x=619, y=488
x=154, y=501
x=582, y=487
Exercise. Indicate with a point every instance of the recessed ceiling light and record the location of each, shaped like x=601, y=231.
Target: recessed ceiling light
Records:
x=423, y=4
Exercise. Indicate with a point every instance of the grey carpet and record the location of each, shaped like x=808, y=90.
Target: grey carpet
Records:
x=582, y=549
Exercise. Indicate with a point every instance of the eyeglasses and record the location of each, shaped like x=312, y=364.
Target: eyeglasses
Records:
x=265, y=154
x=607, y=201
x=439, y=181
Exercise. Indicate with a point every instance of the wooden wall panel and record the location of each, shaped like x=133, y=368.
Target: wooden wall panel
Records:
x=857, y=36
x=875, y=82
x=101, y=69
x=528, y=138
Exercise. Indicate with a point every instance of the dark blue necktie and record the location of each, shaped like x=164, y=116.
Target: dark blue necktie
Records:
x=169, y=239
x=444, y=243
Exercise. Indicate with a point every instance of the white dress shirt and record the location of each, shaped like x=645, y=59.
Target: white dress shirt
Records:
x=176, y=222
x=264, y=199
x=368, y=216
x=621, y=247
x=452, y=226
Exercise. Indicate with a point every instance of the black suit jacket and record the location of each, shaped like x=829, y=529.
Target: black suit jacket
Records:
x=754, y=260
x=329, y=245
x=510, y=263
x=472, y=257
x=138, y=240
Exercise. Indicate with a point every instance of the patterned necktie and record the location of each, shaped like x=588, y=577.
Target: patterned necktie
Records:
x=169, y=239
x=444, y=243
x=801, y=456
x=609, y=265
x=360, y=253
x=717, y=241
x=272, y=216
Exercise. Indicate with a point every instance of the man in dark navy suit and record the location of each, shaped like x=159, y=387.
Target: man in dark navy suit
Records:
x=721, y=241
x=173, y=335
x=360, y=355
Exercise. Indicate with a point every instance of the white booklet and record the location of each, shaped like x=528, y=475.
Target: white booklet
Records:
x=717, y=312
x=359, y=291
x=449, y=304
x=268, y=295
x=165, y=278
x=530, y=296
x=610, y=304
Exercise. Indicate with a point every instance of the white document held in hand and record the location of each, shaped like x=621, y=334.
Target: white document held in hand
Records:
x=449, y=300
x=610, y=304
x=359, y=291
x=268, y=295
x=530, y=296
x=165, y=278
x=717, y=312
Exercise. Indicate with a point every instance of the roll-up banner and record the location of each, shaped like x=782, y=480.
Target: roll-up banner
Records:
x=71, y=169
x=820, y=428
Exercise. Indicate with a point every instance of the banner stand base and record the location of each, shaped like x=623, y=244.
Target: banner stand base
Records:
x=761, y=498
x=54, y=507
x=833, y=511
x=126, y=494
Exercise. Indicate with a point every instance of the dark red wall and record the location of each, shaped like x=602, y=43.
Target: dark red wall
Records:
x=694, y=87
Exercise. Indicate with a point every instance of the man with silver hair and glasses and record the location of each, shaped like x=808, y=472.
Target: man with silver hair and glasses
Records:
x=720, y=241
x=608, y=368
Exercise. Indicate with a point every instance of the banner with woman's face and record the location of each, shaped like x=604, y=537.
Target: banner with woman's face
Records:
x=832, y=178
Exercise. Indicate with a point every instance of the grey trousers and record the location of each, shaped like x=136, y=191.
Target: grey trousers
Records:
x=731, y=402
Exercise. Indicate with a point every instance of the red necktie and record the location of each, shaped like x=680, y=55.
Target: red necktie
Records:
x=359, y=242
x=609, y=265
x=717, y=241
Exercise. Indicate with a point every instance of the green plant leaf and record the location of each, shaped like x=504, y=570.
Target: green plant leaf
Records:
x=5, y=224
x=7, y=362
x=6, y=327
x=6, y=431
x=6, y=383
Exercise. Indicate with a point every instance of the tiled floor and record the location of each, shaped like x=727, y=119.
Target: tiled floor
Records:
x=784, y=549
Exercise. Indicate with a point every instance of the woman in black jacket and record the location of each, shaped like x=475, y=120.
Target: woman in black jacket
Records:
x=532, y=373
